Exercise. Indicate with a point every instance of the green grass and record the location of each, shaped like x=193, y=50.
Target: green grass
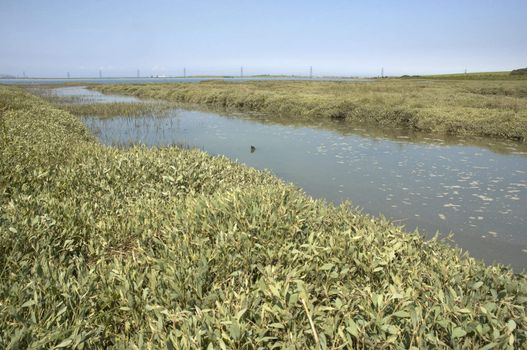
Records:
x=493, y=108
x=169, y=248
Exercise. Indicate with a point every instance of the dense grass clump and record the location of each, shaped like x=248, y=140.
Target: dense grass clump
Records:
x=168, y=248
x=495, y=108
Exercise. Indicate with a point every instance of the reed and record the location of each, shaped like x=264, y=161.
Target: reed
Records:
x=106, y=110
x=82, y=107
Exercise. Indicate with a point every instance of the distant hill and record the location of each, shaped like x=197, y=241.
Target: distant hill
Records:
x=7, y=76
x=521, y=71
x=505, y=75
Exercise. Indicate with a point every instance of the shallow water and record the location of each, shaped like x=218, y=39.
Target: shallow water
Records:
x=475, y=188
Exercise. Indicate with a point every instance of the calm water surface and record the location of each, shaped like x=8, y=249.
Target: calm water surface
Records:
x=475, y=188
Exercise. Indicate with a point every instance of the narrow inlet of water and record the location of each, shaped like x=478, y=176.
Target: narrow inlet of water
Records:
x=476, y=189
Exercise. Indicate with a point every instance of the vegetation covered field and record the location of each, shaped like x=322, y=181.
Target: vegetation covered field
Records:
x=481, y=107
x=170, y=248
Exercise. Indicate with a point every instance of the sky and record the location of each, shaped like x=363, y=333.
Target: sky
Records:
x=346, y=38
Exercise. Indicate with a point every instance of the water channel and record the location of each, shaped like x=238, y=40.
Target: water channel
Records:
x=475, y=188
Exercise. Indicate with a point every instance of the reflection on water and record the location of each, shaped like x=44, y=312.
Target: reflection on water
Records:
x=479, y=193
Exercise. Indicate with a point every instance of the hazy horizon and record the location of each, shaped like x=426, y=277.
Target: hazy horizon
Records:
x=337, y=38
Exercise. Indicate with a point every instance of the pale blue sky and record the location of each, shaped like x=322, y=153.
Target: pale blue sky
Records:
x=50, y=38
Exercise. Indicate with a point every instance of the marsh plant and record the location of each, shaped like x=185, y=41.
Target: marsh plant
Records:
x=139, y=248
x=86, y=106
x=114, y=109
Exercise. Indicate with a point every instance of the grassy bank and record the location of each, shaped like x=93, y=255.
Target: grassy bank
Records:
x=170, y=248
x=495, y=108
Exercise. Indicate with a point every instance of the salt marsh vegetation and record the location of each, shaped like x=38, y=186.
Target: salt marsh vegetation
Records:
x=103, y=247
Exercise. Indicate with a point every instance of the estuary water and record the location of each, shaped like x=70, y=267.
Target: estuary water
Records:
x=474, y=188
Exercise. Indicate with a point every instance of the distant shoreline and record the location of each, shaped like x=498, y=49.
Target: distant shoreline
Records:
x=447, y=76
